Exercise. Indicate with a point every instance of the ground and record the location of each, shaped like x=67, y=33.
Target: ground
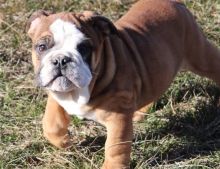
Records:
x=181, y=130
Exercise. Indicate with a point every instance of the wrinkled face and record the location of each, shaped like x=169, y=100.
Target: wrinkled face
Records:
x=65, y=47
x=64, y=54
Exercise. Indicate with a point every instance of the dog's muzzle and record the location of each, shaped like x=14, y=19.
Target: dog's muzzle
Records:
x=64, y=72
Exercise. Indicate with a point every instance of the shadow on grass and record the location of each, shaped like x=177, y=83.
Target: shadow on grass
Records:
x=200, y=130
x=93, y=143
x=197, y=130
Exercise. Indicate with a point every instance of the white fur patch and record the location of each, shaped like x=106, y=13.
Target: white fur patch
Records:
x=66, y=37
x=73, y=103
x=84, y=96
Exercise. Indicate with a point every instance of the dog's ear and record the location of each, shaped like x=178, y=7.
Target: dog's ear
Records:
x=34, y=20
x=104, y=25
x=100, y=23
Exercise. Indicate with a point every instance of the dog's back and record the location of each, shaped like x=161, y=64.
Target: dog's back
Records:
x=168, y=39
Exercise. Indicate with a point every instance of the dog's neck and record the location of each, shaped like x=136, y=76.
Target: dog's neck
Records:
x=80, y=96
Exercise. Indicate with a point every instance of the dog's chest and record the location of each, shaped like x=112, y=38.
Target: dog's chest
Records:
x=73, y=108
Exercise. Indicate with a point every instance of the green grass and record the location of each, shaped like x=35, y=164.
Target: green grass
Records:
x=182, y=129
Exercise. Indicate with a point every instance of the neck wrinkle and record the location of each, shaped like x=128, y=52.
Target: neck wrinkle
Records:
x=106, y=69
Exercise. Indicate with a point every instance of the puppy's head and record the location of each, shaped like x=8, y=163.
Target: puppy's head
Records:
x=65, y=45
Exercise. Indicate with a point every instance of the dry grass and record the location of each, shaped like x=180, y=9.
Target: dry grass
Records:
x=182, y=130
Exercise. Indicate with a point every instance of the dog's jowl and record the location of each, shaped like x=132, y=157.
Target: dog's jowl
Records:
x=107, y=72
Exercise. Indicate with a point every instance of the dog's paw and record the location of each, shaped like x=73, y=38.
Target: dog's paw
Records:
x=66, y=142
x=60, y=141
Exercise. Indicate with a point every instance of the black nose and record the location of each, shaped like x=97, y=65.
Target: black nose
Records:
x=61, y=61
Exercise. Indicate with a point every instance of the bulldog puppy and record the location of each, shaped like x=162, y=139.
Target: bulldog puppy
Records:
x=105, y=72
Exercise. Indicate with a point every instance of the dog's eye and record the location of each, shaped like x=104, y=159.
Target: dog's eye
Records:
x=42, y=47
x=85, y=49
x=44, y=44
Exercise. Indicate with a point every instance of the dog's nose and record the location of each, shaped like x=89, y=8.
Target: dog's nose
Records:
x=61, y=61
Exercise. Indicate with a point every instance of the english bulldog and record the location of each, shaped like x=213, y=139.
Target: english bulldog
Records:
x=108, y=72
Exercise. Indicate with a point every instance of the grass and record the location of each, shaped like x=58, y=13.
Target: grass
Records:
x=182, y=129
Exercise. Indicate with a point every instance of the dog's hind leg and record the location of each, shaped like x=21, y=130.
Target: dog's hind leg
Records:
x=201, y=56
x=205, y=60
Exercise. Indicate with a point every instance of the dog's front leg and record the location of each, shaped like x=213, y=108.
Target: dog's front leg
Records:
x=55, y=124
x=119, y=140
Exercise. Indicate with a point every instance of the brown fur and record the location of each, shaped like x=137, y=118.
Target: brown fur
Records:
x=132, y=68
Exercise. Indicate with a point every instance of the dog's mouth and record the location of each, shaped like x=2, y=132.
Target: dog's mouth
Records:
x=64, y=82
x=59, y=76
x=60, y=83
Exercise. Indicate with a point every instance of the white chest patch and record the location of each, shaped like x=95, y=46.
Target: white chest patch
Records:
x=73, y=103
